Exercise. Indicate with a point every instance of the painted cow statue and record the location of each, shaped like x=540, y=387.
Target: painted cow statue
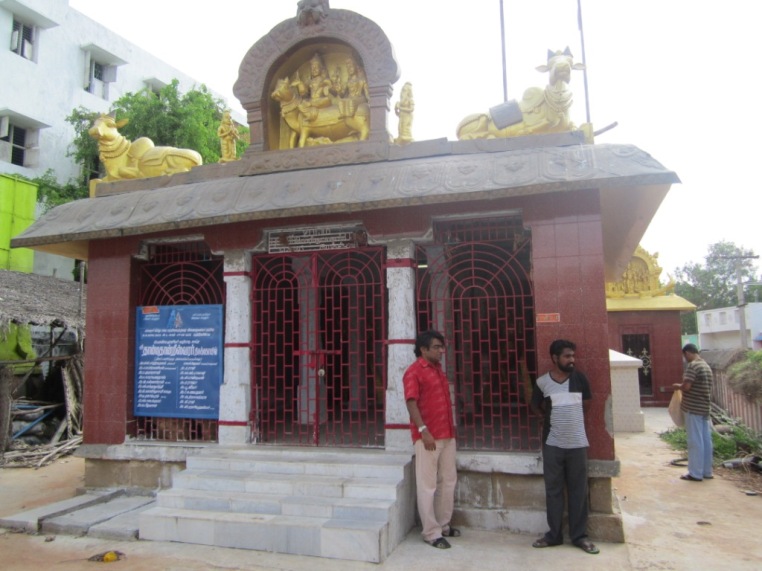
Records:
x=138, y=159
x=539, y=111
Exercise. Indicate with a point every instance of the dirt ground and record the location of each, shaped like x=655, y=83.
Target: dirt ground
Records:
x=27, y=488
x=670, y=524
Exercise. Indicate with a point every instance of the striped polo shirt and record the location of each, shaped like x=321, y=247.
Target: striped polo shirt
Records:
x=698, y=399
x=567, y=419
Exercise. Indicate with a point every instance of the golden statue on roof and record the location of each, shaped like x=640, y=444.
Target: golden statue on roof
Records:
x=319, y=108
x=404, y=110
x=539, y=111
x=641, y=278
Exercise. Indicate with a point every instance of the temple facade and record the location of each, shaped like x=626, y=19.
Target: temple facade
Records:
x=267, y=307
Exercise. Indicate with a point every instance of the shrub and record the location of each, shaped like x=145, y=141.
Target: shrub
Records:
x=741, y=442
x=745, y=377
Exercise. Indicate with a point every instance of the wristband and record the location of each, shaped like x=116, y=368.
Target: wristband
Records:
x=421, y=428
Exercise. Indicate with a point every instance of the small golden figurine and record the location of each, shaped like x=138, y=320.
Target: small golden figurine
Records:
x=228, y=134
x=404, y=110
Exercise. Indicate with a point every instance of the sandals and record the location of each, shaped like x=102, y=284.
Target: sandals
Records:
x=439, y=543
x=451, y=532
x=587, y=546
x=543, y=542
x=690, y=478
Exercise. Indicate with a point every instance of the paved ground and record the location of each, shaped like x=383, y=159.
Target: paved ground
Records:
x=670, y=524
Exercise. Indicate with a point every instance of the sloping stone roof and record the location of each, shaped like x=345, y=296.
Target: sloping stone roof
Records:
x=350, y=188
x=41, y=300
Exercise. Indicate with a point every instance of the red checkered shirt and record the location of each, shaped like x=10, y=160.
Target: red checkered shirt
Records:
x=427, y=385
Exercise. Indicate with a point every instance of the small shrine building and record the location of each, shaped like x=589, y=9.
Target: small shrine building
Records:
x=287, y=288
x=644, y=322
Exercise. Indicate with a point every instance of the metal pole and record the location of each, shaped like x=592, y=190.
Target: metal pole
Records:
x=502, y=38
x=740, y=295
x=584, y=59
x=741, y=306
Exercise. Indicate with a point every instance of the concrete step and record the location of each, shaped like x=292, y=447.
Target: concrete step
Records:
x=320, y=537
x=346, y=504
x=121, y=527
x=242, y=502
x=30, y=520
x=282, y=461
x=80, y=521
x=286, y=484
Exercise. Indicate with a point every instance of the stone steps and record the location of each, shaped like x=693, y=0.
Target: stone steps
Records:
x=355, y=505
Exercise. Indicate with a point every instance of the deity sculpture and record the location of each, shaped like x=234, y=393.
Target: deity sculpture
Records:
x=228, y=134
x=318, y=89
x=354, y=91
x=325, y=109
x=404, y=110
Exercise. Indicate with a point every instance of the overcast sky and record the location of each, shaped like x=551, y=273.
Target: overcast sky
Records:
x=677, y=76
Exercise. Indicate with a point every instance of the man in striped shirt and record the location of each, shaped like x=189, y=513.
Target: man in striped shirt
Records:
x=559, y=395
x=696, y=405
x=427, y=395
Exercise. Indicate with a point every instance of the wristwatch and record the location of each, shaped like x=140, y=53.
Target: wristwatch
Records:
x=422, y=428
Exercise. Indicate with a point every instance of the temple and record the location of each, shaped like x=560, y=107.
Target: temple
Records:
x=248, y=322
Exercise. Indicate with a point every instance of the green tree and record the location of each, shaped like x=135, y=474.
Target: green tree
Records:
x=84, y=149
x=713, y=284
x=169, y=118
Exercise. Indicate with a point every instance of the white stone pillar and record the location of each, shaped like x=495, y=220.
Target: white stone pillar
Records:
x=401, y=332
x=235, y=392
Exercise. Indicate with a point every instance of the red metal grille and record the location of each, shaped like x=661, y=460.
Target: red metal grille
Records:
x=474, y=286
x=318, y=348
x=180, y=274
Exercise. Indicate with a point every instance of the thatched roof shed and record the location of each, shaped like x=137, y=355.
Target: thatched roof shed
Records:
x=41, y=300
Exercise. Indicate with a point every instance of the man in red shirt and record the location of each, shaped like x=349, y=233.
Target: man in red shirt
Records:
x=427, y=395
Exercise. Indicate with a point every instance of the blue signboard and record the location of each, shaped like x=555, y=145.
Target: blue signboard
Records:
x=178, y=361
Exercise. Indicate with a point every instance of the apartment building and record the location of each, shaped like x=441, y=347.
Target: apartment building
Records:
x=721, y=328
x=54, y=59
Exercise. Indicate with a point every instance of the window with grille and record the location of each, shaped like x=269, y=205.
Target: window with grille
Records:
x=22, y=40
x=14, y=150
x=98, y=76
x=474, y=285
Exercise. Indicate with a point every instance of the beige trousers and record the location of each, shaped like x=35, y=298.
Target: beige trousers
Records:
x=436, y=476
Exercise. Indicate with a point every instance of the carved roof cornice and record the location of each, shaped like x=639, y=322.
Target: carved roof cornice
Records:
x=354, y=188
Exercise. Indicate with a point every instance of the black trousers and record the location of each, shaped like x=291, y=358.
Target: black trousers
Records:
x=565, y=468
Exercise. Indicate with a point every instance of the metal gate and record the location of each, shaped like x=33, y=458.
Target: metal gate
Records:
x=474, y=286
x=318, y=352
x=182, y=273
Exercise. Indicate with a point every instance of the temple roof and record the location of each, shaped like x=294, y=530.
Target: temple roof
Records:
x=632, y=185
x=657, y=303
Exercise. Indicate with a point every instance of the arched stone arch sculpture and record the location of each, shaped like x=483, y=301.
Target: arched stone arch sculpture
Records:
x=339, y=29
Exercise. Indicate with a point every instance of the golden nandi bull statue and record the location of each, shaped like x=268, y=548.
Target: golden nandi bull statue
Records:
x=539, y=111
x=138, y=159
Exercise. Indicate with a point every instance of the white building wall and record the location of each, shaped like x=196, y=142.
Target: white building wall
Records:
x=720, y=328
x=38, y=94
